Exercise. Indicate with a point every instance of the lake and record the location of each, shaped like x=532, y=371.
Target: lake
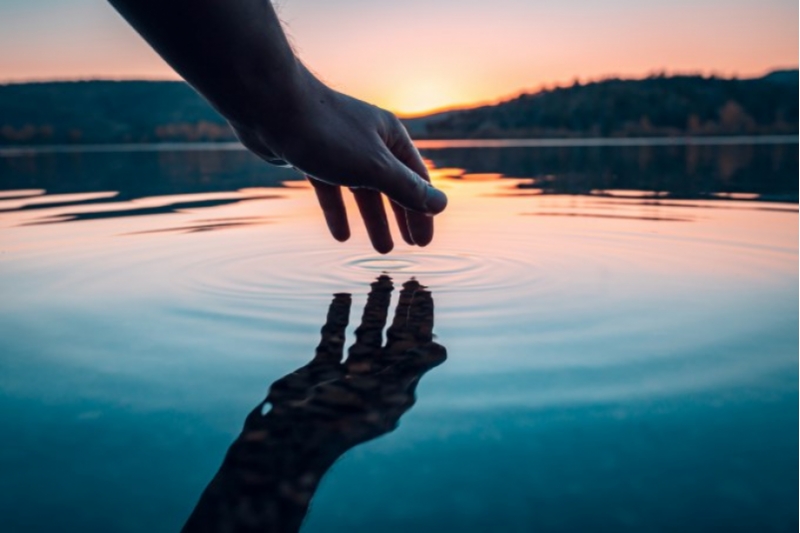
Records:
x=620, y=323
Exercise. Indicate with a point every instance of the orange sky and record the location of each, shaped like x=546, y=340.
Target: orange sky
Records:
x=415, y=56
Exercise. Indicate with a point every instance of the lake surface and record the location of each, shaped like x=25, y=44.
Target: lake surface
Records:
x=620, y=324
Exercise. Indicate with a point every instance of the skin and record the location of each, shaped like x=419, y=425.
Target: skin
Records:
x=236, y=55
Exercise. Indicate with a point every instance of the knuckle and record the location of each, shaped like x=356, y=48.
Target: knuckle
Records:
x=391, y=124
x=392, y=120
x=378, y=165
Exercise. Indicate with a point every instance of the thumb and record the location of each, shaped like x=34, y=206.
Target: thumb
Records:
x=408, y=189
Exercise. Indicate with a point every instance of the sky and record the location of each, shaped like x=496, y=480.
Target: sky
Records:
x=416, y=56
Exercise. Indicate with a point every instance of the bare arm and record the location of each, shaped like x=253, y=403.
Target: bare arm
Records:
x=235, y=53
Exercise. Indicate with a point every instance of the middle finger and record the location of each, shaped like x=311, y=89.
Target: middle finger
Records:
x=370, y=204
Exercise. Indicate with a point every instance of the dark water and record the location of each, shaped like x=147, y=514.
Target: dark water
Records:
x=620, y=326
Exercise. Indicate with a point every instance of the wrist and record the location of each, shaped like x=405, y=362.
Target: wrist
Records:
x=276, y=110
x=266, y=93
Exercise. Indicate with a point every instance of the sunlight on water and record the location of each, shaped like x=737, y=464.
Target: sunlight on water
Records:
x=596, y=323
x=534, y=273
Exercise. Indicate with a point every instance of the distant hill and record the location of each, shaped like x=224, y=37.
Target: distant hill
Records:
x=788, y=76
x=418, y=126
x=107, y=112
x=654, y=106
x=150, y=111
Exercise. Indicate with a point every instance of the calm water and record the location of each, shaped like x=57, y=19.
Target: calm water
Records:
x=620, y=324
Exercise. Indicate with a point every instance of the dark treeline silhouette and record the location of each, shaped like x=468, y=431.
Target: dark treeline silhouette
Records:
x=654, y=106
x=95, y=112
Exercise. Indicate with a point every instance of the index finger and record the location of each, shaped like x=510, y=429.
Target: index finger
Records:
x=420, y=225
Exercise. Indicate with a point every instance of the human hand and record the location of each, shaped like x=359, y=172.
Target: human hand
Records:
x=340, y=141
x=237, y=56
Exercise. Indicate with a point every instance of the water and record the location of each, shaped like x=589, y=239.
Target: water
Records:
x=620, y=323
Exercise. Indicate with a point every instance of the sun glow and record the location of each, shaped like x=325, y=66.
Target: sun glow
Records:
x=421, y=96
x=434, y=56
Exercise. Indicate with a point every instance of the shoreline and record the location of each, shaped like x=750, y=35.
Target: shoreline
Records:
x=423, y=144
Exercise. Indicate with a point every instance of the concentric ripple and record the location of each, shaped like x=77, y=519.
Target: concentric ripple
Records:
x=282, y=271
x=617, y=297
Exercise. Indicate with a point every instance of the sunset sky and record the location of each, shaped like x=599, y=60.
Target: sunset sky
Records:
x=416, y=55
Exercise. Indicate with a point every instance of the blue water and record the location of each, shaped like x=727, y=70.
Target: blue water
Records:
x=620, y=322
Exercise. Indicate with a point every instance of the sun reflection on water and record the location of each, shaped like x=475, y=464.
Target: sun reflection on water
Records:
x=157, y=312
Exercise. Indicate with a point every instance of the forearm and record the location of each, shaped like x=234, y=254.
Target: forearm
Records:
x=234, y=52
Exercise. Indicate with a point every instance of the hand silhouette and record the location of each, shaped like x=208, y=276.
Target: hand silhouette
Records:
x=337, y=140
x=320, y=411
x=237, y=56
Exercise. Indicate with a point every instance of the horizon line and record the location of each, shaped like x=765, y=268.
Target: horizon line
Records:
x=456, y=106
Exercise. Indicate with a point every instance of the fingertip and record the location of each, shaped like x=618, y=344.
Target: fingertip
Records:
x=421, y=227
x=383, y=248
x=423, y=241
x=435, y=200
x=370, y=204
x=341, y=234
x=412, y=192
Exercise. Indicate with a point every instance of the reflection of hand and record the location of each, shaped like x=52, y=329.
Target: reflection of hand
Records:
x=365, y=395
x=340, y=141
x=320, y=411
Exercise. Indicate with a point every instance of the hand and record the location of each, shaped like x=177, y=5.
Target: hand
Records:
x=339, y=141
x=237, y=56
x=320, y=411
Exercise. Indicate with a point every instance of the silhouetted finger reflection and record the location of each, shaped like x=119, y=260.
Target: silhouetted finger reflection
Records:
x=332, y=343
x=318, y=412
x=367, y=347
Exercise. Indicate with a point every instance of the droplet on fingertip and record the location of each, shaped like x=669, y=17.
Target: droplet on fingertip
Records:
x=435, y=200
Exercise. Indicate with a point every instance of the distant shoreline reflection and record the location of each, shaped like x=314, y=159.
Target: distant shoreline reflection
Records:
x=315, y=414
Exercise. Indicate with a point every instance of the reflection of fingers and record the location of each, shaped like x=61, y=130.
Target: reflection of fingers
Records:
x=331, y=345
x=413, y=319
x=400, y=214
x=370, y=205
x=369, y=334
x=332, y=204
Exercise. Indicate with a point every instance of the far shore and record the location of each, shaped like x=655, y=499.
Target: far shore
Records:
x=425, y=144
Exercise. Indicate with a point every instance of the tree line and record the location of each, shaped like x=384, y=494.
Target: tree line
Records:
x=96, y=112
x=655, y=106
